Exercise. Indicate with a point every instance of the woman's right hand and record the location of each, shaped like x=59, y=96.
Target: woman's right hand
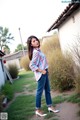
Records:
x=43, y=72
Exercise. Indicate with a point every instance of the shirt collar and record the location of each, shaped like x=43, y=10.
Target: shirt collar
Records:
x=38, y=49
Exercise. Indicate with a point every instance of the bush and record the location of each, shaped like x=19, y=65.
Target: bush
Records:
x=7, y=90
x=1, y=100
x=24, y=62
x=61, y=71
x=13, y=70
x=50, y=44
x=77, y=79
x=77, y=83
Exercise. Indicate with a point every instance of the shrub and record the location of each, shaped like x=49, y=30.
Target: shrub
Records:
x=13, y=70
x=24, y=62
x=77, y=79
x=77, y=83
x=50, y=44
x=1, y=99
x=7, y=90
x=61, y=71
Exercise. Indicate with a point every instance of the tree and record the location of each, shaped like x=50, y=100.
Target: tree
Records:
x=5, y=37
x=6, y=49
x=20, y=47
x=75, y=1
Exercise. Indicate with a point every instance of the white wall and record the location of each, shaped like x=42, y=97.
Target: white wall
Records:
x=2, y=79
x=15, y=61
x=69, y=31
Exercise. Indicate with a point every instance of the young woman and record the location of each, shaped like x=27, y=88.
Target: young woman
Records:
x=39, y=65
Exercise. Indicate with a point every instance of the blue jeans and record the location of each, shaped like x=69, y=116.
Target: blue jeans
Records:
x=43, y=84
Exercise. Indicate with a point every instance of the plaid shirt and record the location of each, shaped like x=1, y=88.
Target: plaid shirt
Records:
x=38, y=61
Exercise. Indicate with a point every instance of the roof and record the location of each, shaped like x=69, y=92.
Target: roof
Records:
x=64, y=15
x=1, y=53
x=16, y=55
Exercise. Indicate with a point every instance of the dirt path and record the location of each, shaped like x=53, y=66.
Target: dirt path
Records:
x=68, y=111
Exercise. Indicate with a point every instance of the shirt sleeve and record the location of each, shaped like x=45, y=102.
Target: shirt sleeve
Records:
x=35, y=61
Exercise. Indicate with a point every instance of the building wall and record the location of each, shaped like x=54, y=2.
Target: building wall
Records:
x=69, y=31
x=14, y=58
x=14, y=61
x=2, y=78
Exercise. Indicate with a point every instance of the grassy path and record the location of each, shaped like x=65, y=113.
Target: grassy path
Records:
x=22, y=107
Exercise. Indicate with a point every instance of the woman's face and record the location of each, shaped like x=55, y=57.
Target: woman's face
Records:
x=35, y=43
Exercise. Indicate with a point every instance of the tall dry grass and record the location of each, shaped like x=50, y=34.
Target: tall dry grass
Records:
x=49, y=44
x=61, y=72
x=24, y=62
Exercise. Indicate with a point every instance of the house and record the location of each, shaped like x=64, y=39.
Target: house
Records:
x=14, y=58
x=2, y=71
x=68, y=25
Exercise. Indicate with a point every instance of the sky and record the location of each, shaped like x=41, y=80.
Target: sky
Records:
x=33, y=17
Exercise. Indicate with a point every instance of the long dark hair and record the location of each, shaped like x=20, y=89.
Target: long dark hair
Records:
x=30, y=48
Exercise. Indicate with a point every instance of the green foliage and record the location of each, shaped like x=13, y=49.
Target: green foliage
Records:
x=24, y=79
x=22, y=108
x=58, y=99
x=13, y=70
x=6, y=49
x=25, y=63
x=7, y=90
x=5, y=37
x=75, y=98
x=20, y=47
x=1, y=99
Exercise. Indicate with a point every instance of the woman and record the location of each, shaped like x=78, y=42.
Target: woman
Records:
x=39, y=65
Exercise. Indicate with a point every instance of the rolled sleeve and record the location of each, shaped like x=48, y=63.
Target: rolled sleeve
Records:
x=34, y=62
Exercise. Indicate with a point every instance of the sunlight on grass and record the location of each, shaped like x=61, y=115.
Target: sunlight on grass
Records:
x=28, y=73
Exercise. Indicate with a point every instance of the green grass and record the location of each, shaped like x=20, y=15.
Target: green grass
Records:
x=7, y=90
x=18, y=85
x=75, y=98
x=59, y=99
x=23, y=107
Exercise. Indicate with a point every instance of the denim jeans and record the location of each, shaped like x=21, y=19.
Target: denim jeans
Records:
x=43, y=84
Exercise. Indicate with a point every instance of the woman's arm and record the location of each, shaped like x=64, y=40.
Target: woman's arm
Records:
x=34, y=62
